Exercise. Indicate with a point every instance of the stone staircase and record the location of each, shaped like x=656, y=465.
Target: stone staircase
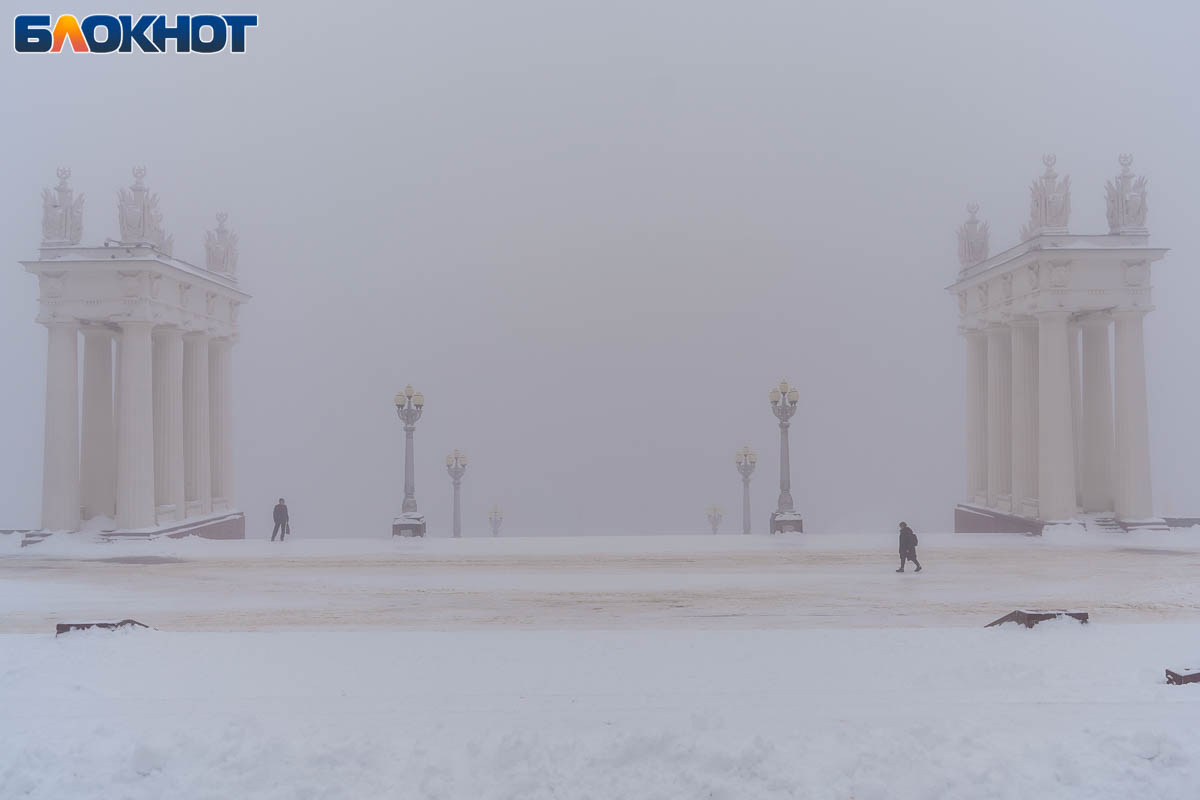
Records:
x=1103, y=524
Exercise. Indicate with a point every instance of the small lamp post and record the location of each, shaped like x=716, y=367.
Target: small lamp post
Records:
x=456, y=465
x=784, y=400
x=715, y=514
x=746, y=460
x=409, y=405
x=495, y=518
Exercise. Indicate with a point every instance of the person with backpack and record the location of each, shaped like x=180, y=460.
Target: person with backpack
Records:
x=282, y=526
x=908, y=547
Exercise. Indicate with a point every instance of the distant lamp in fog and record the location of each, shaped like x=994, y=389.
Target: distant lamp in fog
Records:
x=495, y=518
x=715, y=514
x=746, y=459
x=456, y=465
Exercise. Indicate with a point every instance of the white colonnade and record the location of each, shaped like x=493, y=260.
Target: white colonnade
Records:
x=137, y=477
x=155, y=447
x=1057, y=421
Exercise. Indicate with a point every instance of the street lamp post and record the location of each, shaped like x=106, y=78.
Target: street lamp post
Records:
x=746, y=459
x=495, y=518
x=783, y=402
x=456, y=465
x=715, y=514
x=409, y=405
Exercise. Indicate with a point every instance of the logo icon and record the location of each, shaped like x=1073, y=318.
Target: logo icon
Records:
x=121, y=33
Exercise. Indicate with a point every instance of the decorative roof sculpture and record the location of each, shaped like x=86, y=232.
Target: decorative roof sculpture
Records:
x=221, y=248
x=62, y=213
x=139, y=215
x=1126, y=198
x=972, y=239
x=1050, y=203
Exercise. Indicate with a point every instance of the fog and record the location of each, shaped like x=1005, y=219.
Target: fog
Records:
x=595, y=236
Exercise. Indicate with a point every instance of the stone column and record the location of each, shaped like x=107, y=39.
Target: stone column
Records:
x=116, y=405
x=60, y=464
x=168, y=421
x=977, y=421
x=220, y=387
x=135, y=447
x=98, y=459
x=1076, y=410
x=1056, y=457
x=1025, y=417
x=999, y=417
x=1097, y=402
x=1133, y=498
x=197, y=468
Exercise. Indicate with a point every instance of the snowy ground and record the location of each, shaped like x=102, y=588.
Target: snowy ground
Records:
x=664, y=667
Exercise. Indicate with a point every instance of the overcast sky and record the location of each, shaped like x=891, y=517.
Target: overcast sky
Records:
x=595, y=235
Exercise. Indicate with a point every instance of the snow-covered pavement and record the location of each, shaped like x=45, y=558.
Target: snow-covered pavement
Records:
x=673, y=667
x=665, y=582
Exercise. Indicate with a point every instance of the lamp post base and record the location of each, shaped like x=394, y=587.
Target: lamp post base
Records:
x=410, y=523
x=786, y=522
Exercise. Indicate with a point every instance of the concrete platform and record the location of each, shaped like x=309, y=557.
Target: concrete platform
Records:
x=221, y=525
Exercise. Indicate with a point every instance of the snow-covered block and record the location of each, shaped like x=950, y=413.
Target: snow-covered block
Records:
x=1184, y=675
x=1029, y=618
x=1071, y=528
x=64, y=627
x=787, y=522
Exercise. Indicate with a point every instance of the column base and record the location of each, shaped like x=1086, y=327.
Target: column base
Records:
x=230, y=525
x=972, y=518
x=1025, y=507
x=410, y=523
x=786, y=522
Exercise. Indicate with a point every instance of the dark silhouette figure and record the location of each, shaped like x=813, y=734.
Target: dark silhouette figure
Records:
x=908, y=547
x=281, y=521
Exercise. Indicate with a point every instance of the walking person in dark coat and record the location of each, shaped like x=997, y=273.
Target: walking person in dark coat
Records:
x=281, y=521
x=908, y=547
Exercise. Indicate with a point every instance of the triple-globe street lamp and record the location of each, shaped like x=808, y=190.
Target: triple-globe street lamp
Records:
x=409, y=405
x=456, y=465
x=746, y=460
x=495, y=518
x=784, y=400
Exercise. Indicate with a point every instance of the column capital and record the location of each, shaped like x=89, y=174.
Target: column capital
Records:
x=56, y=322
x=135, y=324
x=167, y=332
x=1099, y=319
x=1023, y=322
x=194, y=335
x=97, y=331
x=1053, y=314
x=1129, y=313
